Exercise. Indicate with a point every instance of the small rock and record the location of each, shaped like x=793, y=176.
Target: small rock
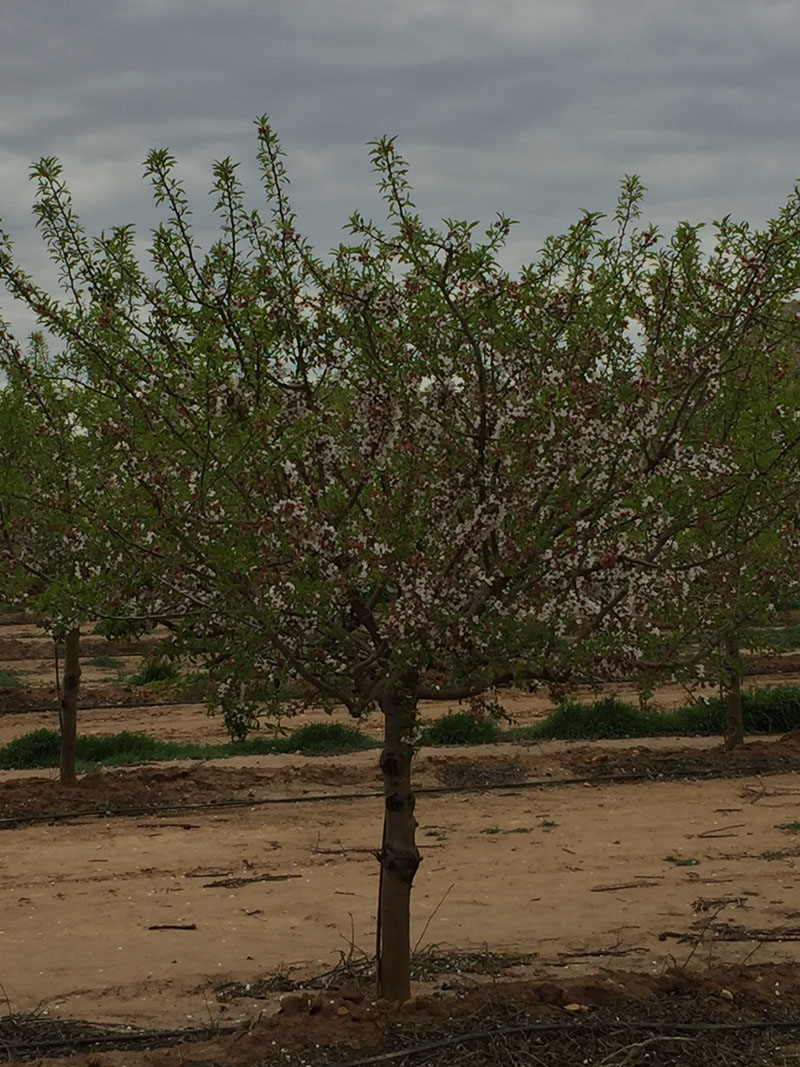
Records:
x=575, y=1007
x=382, y=1004
x=726, y=994
x=351, y=995
x=294, y=1004
x=614, y=986
x=322, y=1005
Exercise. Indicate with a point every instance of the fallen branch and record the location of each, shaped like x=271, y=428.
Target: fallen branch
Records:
x=720, y=831
x=237, y=883
x=643, y=884
x=163, y=825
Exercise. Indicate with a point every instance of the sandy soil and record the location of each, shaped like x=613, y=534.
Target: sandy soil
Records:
x=109, y=702
x=150, y=917
x=190, y=721
x=574, y=875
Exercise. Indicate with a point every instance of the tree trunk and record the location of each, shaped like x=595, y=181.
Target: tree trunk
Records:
x=734, y=714
x=68, y=711
x=399, y=855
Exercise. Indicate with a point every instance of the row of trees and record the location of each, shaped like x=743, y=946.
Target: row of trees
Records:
x=402, y=473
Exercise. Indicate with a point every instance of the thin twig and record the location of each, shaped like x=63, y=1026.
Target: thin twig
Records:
x=431, y=917
x=719, y=831
x=632, y=1051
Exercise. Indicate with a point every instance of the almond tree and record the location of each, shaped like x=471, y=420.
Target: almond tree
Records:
x=746, y=538
x=402, y=473
x=42, y=544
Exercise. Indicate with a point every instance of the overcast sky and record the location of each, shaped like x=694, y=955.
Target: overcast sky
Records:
x=535, y=108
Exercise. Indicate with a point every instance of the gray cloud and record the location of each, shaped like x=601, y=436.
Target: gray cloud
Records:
x=534, y=109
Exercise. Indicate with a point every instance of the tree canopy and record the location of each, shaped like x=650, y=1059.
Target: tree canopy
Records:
x=402, y=472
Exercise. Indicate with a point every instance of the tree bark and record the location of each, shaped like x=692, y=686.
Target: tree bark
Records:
x=734, y=713
x=68, y=710
x=399, y=855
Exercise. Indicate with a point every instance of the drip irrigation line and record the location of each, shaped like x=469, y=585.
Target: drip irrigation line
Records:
x=40, y=709
x=572, y=1028
x=121, y=1038
x=692, y=773
x=167, y=1038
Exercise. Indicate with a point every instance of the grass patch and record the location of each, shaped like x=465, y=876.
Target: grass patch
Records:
x=42, y=748
x=320, y=737
x=786, y=639
x=682, y=861
x=493, y=830
x=769, y=710
x=773, y=709
x=155, y=672
x=10, y=679
x=460, y=728
x=604, y=719
x=107, y=661
x=39, y=748
x=789, y=827
x=790, y=602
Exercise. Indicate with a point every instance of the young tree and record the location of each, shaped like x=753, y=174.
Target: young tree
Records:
x=41, y=539
x=403, y=474
x=746, y=540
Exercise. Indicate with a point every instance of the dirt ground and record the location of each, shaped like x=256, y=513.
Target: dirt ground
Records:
x=144, y=917
x=109, y=702
x=175, y=895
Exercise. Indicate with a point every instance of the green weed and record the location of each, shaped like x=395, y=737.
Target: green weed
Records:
x=460, y=728
x=155, y=672
x=41, y=748
x=10, y=679
x=786, y=639
x=772, y=709
x=609, y=717
x=323, y=737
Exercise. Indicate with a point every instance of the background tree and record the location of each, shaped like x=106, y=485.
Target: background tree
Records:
x=42, y=535
x=403, y=474
x=745, y=534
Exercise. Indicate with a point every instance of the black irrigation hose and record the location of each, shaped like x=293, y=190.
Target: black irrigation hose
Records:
x=572, y=1028
x=696, y=773
x=166, y=1038
x=135, y=1037
x=162, y=703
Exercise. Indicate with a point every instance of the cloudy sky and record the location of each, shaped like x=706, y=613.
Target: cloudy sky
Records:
x=535, y=108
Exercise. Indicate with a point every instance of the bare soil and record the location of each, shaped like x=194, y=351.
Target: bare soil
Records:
x=174, y=895
x=144, y=917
